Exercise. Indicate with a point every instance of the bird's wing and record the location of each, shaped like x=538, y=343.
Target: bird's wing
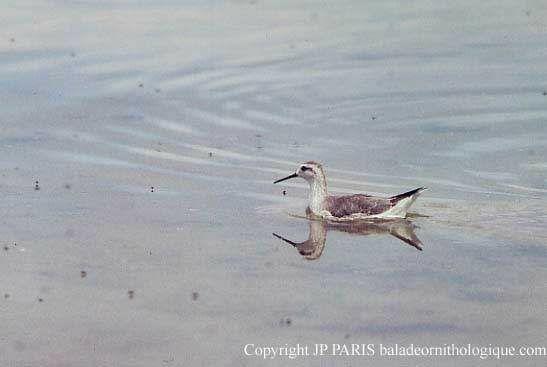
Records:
x=340, y=206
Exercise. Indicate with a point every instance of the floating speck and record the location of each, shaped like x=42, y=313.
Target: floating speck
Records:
x=157, y=90
x=285, y=322
x=67, y=186
x=373, y=118
x=346, y=336
x=545, y=93
x=141, y=85
x=83, y=274
x=151, y=188
x=195, y=296
x=12, y=40
x=131, y=294
x=210, y=154
x=36, y=186
x=6, y=248
x=6, y=295
x=40, y=299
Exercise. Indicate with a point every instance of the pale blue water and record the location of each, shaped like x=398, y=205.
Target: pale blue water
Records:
x=209, y=104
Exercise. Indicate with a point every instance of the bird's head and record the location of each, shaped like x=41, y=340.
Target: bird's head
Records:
x=309, y=171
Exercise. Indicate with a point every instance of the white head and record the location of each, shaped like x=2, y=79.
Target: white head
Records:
x=310, y=171
x=313, y=173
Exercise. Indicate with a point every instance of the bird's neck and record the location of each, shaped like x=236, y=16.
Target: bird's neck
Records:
x=318, y=195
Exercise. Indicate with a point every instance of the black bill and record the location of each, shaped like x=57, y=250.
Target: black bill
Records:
x=286, y=178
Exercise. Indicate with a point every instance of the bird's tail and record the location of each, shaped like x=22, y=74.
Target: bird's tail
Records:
x=400, y=203
x=412, y=193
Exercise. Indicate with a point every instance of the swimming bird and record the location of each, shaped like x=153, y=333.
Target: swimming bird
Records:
x=349, y=207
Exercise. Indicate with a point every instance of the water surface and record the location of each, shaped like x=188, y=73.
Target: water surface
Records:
x=155, y=132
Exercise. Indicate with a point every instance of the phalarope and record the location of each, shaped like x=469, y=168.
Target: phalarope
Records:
x=359, y=206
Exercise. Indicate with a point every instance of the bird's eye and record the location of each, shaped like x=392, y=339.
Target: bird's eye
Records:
x=304, y=168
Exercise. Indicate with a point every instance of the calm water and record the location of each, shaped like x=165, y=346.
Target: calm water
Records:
x=155, y=132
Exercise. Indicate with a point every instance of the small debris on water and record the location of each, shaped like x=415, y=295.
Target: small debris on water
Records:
x=373, y=118
x=157, y=90
x=40, y=299
x=195, y=296
x=83, y=274
x=36, y=185
x=6, y=248
x=67, y=186
x=12, y=40
x=285, y=322
x=141, y=85
x=131, y=294
x=151, y=188
x=6, y=295
x=210, y=154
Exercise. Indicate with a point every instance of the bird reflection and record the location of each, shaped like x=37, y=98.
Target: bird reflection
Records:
x=312, y=248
